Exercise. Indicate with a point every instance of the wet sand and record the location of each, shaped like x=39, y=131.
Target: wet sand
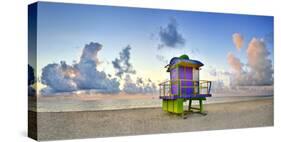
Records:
x=87, y=124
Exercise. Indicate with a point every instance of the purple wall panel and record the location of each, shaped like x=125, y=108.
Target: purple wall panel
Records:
x=184, y=73
x=187, y=75
x=173, y=76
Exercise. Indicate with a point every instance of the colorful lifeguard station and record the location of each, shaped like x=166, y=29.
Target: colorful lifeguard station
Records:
x=184, y=84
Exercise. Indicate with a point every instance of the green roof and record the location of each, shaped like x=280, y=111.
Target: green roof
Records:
x=184, y=56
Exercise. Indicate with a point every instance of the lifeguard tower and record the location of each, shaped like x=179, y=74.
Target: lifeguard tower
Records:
x=184, y=84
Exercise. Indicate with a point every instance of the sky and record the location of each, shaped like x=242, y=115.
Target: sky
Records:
x=153, y=37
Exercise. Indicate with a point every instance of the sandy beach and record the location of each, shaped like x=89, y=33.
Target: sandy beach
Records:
x=87, y=124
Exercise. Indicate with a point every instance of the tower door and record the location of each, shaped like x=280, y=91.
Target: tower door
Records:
x=186, y=76
x=195, y=73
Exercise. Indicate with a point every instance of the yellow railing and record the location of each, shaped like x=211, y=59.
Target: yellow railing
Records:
x=199, y=87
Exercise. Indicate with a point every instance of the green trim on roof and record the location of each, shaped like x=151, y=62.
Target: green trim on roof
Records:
x=184, y=56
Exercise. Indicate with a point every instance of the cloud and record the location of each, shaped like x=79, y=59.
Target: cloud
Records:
x=239, y=77
x=90, y=53
x=140, y=86
x=216, y=72
x=257, y=71
x=218, y=85
x=238, y=40
x=213, y=72
x=162, y=58
x=219, y=77
x=170, y=37
x=31, y=81
x=58, y=77
x=122, y=64
x=259, y=63
x=82, y=75
x=31, y=76
x=234, y=63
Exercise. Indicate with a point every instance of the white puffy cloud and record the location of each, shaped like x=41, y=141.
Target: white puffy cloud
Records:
x=139, y=86
x=58, y=77
x=82, y=75
x=257, y=71
x=260, y=65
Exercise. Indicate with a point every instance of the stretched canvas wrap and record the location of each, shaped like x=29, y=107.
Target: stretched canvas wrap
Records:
x=103, y=71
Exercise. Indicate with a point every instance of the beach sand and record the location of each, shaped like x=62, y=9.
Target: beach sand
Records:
x=88, y=124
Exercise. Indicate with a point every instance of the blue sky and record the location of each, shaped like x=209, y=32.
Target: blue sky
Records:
x=64, y=29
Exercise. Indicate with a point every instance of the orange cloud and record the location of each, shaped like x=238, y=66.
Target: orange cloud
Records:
x=235, y=63
x=238, y=40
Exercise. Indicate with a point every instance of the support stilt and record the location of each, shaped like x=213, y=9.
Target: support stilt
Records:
x=201, y=105
x=189, y=104
x=196, y=109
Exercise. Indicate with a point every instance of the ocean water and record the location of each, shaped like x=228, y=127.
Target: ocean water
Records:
x=61, y=105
